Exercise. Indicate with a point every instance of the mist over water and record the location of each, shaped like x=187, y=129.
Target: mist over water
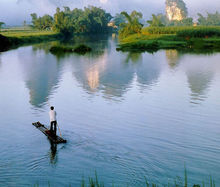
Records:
x=125, y=115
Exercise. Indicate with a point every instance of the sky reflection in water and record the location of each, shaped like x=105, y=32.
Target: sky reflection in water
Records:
x=127, y=115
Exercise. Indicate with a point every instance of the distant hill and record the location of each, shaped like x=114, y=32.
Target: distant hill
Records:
x=176, y=10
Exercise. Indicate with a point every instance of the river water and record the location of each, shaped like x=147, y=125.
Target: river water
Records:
x=126, y=116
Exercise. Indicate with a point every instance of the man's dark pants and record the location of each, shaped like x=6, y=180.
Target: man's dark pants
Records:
x=53, y=127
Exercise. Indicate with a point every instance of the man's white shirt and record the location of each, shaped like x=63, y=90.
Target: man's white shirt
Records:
x=52, y=114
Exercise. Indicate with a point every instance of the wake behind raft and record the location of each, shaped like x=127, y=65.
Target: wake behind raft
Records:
x=46, y=131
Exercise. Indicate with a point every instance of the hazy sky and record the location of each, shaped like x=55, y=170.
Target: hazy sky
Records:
x=14, y=12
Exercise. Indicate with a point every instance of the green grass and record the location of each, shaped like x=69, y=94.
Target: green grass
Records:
x=178, y=29
x=177, y=182
x=93, y=182
x=26, y=33
x=23, y=36
x=60, y=50
x=151, y=43
x=20, y=32
x=182, y=38
x=199, y=33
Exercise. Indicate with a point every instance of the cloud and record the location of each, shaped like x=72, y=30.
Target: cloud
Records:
x=103, y=1
x=21, y=9
x=202, y=6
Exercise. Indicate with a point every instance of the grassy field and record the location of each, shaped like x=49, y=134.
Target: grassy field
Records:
x=20, y=32
x=14, y=37
x=27, y=33
x=178, y=29
x=181, y=38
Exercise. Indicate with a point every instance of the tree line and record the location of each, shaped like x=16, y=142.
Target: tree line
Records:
x=88, y=20
x=1, y=25
x=95, y=20
x=160, y=20
x=133, y=23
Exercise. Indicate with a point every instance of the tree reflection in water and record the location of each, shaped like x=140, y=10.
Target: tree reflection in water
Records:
x=104, y=70
x=199, y=71
x=173, y=58
x=199, y=80
x=113, y=72
x=134, y=57
x=200, y=74
x=41, y=73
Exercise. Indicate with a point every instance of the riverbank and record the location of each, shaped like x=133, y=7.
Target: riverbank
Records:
x=192, y=39
x=15, y=38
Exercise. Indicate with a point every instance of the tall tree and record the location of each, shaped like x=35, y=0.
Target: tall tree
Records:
x=42, y=23
x=63, y=22
x=187, y=22
x=132, y=24
x=97, y=18
x=24, y=23
x=46, y=22
x=34, y=19
x=201, y=20
x=1, y=24
x=118, y=19
x=210, y=19
x=183, y=22
x=156, y=21
x=89, y=20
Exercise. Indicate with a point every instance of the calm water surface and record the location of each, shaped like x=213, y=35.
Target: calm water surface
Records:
x=125, y=115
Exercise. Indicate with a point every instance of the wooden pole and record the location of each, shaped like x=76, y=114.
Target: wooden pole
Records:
x=59, y=130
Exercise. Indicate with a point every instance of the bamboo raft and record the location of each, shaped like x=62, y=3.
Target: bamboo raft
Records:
x=46, y=131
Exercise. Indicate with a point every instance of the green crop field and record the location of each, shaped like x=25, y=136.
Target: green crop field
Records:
x=19, y=33
x=189, y=30
x=155, y=38
x=14, y=37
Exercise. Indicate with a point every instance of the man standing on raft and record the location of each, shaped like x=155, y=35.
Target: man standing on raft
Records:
x=53, y=121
